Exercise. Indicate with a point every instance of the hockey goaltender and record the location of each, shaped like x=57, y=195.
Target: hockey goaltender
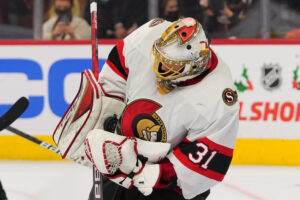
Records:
x=175, y=108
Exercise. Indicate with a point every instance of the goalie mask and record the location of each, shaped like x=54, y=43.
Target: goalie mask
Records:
x=180, y=54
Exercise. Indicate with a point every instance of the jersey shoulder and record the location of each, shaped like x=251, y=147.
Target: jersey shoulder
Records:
x=215, y=92
x=138, y=45
x=146, y=34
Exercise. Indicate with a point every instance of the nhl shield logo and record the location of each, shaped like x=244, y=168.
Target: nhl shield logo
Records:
x=271, y=76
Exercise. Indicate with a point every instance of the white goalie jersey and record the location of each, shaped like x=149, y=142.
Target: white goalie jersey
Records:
x=199, y=118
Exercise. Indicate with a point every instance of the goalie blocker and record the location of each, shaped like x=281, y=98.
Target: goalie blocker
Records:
x=90, y=109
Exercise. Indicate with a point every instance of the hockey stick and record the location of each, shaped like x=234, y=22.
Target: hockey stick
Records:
x=2, y=193
x=13, y=113
x=94, y=25
x=42, y=144
x=96, y=193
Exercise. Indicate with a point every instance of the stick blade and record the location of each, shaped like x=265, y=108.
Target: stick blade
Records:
x=14, y=112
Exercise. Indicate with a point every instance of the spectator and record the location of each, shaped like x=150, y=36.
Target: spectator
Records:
x=78, y=8
x=191, y=8
x=293, y=34
x=82, y=4
x=3, y=14
x=118, y=18
x=16, y=13
x=238, y=8
x=216, y=16
x=134, y=13
x=108, y=12
x=169, y=10
x=65, y=26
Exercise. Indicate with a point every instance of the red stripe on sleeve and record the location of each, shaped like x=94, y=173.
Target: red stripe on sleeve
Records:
x=198, y=168
x=115, y=69
x=187, y=163
x=120, y=48
x=214, y=146
x=217, y=147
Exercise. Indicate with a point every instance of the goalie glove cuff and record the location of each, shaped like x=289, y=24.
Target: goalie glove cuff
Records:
x=169, y=177
x=144, y=180
x=148, y=178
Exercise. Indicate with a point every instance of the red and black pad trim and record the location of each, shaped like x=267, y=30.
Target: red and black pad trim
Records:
x=205, y=157
x=116, y=60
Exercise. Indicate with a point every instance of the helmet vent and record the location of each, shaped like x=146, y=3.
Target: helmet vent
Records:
x=160, y=70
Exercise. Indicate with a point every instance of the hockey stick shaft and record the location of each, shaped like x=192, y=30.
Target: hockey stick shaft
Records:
x=2, y=192
x=97, y=192
x=94, y=24
x=17, y=109
x=41, y=143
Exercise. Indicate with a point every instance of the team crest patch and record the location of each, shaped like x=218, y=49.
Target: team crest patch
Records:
x=229, y=96
x=140, y=120
x=271, y=76
x=156, y=22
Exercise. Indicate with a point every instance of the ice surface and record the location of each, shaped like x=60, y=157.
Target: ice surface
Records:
x=24, y=180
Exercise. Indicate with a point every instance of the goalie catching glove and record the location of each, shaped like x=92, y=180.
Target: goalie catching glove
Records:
x=126, y=161
x=90, y=109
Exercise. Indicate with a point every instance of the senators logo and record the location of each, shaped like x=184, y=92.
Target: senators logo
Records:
x=140, y=120
x=229, y=96
x=156, y=22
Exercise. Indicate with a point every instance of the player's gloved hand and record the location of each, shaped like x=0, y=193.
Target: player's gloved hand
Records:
x=123, y=159
x=145, y=179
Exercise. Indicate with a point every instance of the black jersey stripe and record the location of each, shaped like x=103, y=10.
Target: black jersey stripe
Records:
x=114, y=58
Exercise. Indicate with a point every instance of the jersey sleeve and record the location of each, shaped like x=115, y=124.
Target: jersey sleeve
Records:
x=202, y=159
x=113, y=76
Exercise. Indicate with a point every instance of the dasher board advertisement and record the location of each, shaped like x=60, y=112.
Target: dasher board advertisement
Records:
x=267, y=78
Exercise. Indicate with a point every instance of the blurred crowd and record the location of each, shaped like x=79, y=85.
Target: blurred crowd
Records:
x=70, y=19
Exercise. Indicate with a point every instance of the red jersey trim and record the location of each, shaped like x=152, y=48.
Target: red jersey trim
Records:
x=183, y=158
x=115, y=69
x=120, y=47
x=214, y=146
x=110, y=95
x=194, y=167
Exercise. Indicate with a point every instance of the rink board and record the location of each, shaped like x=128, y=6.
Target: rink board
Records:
x=266, y=72
x=247, y=151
